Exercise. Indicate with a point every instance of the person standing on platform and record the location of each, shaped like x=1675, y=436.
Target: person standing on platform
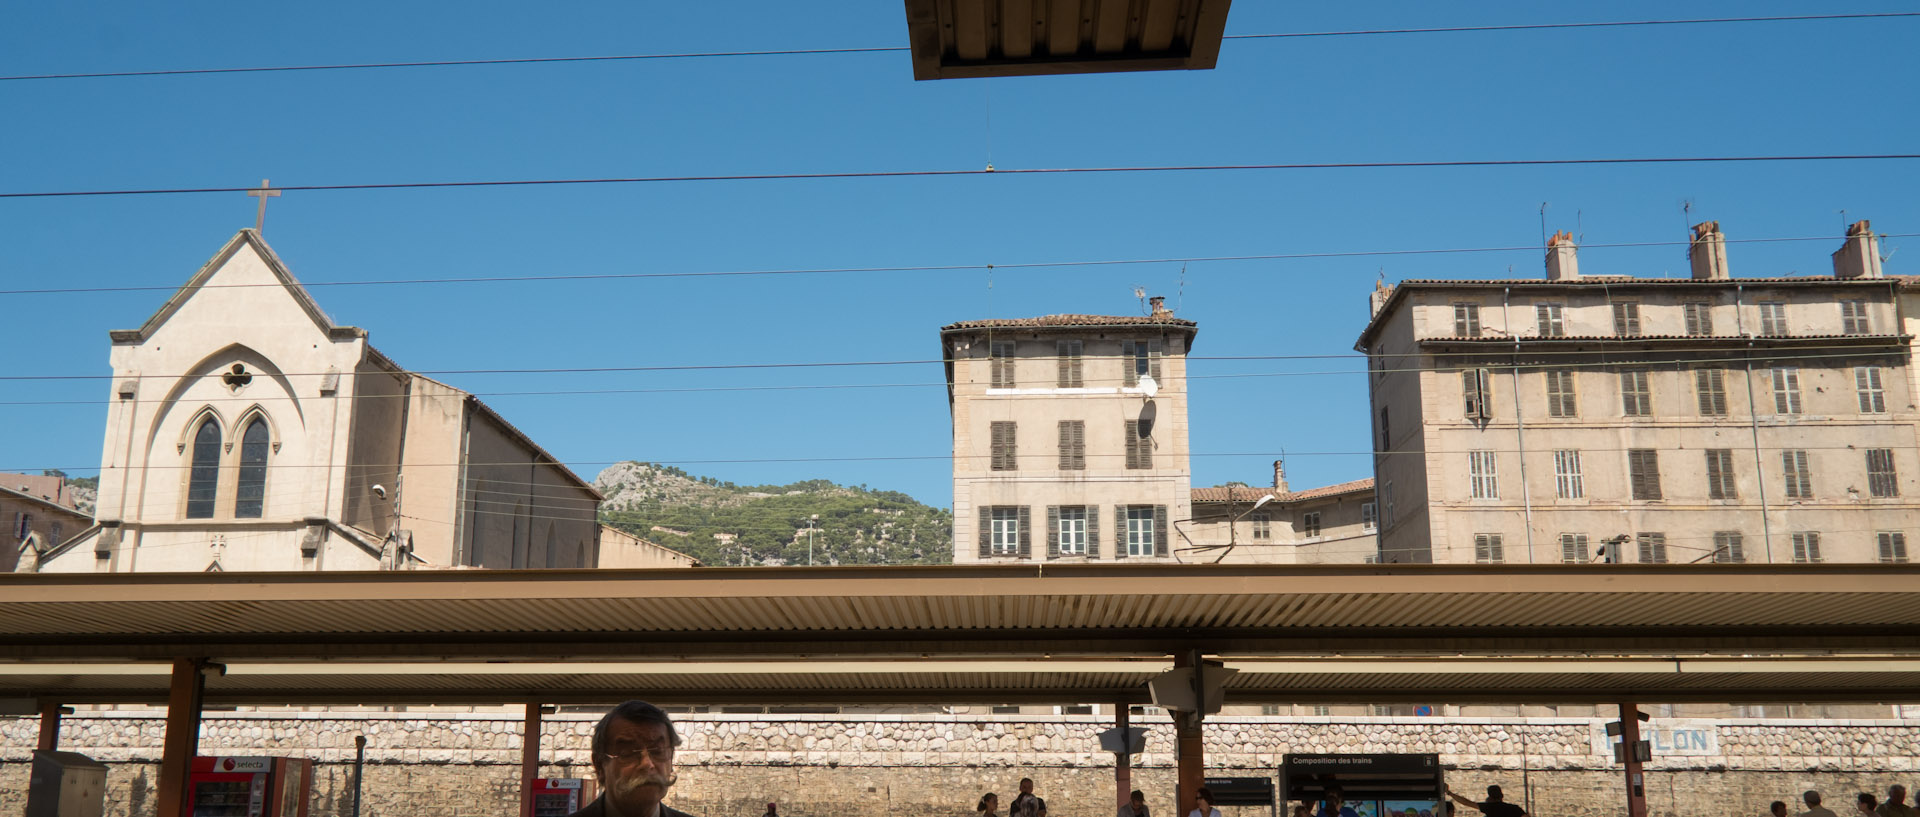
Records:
x=1026, y=804
x=1334, y=803
x=1867, y=804
x=633, y=757
x=772, y=811
x=1814, y=809
x=1136, y=805
x=1203, y=803
x=1495, y=806
x=989, y=806
x=1896, y=805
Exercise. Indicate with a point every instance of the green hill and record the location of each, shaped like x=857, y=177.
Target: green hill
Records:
x=720, y=523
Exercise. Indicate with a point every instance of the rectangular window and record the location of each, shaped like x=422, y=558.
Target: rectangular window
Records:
x=1806, y=546
x=1070, y=531
x=1310, y=524
x=1793, y=464
x=1073, y=445
x=1482, y=475
x=1369, y=516
x=1626, y=319
x=1477, y=387
x=1699, y=318
x=1140, y=358
x=1466, y=320
x=1487, y=548
x=1893, y=546
x=1386, y=497
x=1853, y=318
x=1773, y=318
x=1561, y=401
x=1710, y=385
x=22, y=525
x=1003, y=446
x=1549, y=317
x=1726, y=547
x=1720, y=483
x=1636, y=397
x=1573, y=548
x=1866, y=384
x=1003, y=364
x=1070, y=370
x=1262, y=525
x=1786, y=391
x=1386, y=431
x=1643, y=472
x=1139, y=448
x=1567, y=482
x=1882, y=480
x=1140, y=525
x=1006, y=530
x=1653, y=547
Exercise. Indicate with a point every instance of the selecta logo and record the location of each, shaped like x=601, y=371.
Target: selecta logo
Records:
x=226, y=764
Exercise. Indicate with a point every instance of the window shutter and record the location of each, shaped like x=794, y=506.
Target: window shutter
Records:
x=1053, y=531
x=1078, y=372
x=1026, y=532
x=986, y=532
x=1129, y=375
x=1093, y=531
x=1079, y=444
x=1119, y=531
x=1133, y=443
x=1153, y=358
x=1064, y=380
x=1160, y=530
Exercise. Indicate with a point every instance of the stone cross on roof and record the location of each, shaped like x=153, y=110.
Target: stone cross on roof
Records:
x=263, y=192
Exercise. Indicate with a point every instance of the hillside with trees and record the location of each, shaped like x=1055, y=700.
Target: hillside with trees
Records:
x=721, y=523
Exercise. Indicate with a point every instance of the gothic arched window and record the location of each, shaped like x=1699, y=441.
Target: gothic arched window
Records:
x=203, y=480
x=252, y=497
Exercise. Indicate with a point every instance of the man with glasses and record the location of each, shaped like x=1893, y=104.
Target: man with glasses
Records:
x=633, y=757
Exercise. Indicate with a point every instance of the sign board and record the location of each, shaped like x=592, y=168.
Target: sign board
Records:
x=1668, y=737
x=1130, y=741
x=1241, y=791
x=1363, y=777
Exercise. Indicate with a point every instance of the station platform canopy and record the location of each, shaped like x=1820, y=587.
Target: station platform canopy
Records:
x=974, y=634
x=975, y=38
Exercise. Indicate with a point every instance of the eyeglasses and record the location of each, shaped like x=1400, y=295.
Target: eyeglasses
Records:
x=660, y=752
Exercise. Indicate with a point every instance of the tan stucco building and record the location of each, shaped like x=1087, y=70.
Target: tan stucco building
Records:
x=247, y=431
x=1069, y=436
x=1587, y=418
x=620, y=549
x=1331, y=524
x=39, y=514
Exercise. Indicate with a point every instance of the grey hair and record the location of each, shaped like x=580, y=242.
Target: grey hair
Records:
x=637, y=712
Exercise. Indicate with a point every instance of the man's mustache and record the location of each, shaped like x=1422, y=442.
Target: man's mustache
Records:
x=626, y=785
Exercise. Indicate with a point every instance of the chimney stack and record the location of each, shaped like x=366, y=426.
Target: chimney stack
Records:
x=1708, y=252
x=1860, y=256
x=1378, y=298
x=1159, y=303
x=1563, y=261
x=1280, y=476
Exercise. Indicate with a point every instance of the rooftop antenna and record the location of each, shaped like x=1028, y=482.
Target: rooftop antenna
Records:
x=1180, y=295
x=1686, y=217
x=1543, y=224
x=1580, y=226
x=1141, y=293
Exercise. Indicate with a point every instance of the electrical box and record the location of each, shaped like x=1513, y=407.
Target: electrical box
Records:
x=66, y=784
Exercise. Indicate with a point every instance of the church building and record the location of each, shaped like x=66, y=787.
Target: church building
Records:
x=247, y=431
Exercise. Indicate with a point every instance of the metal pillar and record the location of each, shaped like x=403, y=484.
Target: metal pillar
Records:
x=529, y=758
x=1122, y=761
x=183, y=734
x=1188, y=750
x=50, y=726
x=1636, y=781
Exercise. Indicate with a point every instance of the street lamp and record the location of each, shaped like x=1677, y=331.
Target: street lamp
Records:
x=1233, y=526
x=811, y=521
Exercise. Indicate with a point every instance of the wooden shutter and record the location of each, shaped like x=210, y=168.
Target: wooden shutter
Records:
x=1153, y=360
x=1073, y=445
x=1053, y=531
x=1119, y=531
x=1026, y=532
x=986, y=532
x=1004, y=450
x=1160, y=530
x=1093, y=531
x=1133, y=443
x=1129, y=376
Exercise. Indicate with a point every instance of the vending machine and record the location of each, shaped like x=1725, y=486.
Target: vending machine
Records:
x=559, y=796
x=249, y=787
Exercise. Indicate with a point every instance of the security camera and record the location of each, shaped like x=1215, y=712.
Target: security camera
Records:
x=379, y=492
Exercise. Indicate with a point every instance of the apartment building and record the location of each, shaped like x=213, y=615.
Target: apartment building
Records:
x=1617, y=418
x=1242, y=524
x=1069, y=436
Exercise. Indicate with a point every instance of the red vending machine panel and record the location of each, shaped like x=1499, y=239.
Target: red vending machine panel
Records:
x=557, y=796
x=249, y=787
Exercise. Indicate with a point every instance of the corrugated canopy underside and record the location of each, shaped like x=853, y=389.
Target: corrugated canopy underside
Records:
x=977, y=38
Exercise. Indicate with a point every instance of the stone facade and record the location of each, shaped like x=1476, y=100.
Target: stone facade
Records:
x=456, y=765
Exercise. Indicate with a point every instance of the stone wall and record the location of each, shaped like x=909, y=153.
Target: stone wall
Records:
x=462, y=764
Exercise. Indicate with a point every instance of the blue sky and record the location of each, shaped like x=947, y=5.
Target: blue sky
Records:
x=1836, y=87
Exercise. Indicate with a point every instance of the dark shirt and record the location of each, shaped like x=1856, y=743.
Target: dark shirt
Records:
x=598, y=808
x=1500, y=809
x=1027, y=805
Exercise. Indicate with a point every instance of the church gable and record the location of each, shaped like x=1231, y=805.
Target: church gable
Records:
x=245, y=283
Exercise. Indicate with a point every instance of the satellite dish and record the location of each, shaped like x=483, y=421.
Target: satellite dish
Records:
x=1147, y=414
x=1148, y=387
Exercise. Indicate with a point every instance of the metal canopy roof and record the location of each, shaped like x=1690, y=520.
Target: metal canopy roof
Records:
x=1025, y=633
x=976, y=38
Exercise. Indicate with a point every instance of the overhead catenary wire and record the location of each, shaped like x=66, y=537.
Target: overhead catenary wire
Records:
x=793, y=52
x=1195, y=259
x=1029, y=171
